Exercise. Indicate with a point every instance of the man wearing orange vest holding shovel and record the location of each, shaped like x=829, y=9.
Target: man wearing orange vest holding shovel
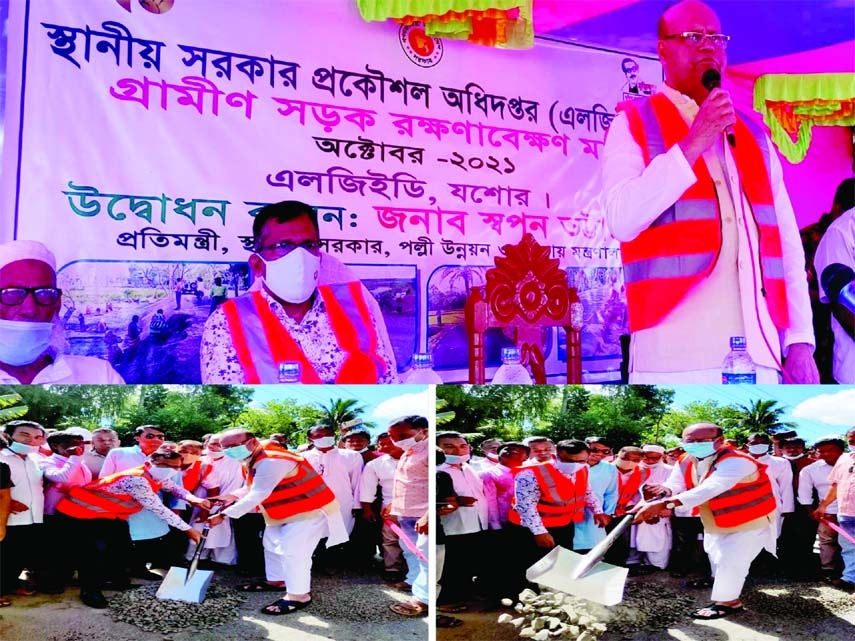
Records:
x=549, y=499
x=299, y=510
x=703, y=222
x=309, y=310
x=97, y=512
x=734, y=497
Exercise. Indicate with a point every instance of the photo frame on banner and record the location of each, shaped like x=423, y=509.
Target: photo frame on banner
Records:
x=187, y=122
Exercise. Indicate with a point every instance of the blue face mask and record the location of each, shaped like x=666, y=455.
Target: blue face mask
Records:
x=699, y=450
x=454, y=459
x=238, y=452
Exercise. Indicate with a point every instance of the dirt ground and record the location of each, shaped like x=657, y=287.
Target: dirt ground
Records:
x=347, y=607
x=658, y=608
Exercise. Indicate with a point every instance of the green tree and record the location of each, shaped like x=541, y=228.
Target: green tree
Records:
x=338, y=411
x=11, y=406
x=286, y=416
x=763, y=416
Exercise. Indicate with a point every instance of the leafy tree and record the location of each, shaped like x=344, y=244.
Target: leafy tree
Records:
x=763, y=416
x=11, y=406
x=286, y=416
x=338, y=411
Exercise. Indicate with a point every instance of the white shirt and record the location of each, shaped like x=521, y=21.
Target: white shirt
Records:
x=340, y=470
x=72, y=370
x=227, y=472
x=62, y=472
x=781, y=475
x=122, y=458
x=465, y=520
x=26, y=478
x=815, y=477
x=380, y=471
x=838, y=246
x=634, y=196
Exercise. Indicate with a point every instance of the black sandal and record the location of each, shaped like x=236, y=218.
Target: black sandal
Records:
x=716, y=611
x=443, y=621
x=286, y=606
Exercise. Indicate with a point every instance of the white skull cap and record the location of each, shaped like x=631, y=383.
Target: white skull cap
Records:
x=16, y=250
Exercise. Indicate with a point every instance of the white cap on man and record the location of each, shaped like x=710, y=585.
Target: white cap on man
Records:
x=16, y=250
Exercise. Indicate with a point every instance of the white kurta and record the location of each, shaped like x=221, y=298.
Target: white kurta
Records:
x=781, y=474
x=730, y=553
x=653, y=539
x=341, y=470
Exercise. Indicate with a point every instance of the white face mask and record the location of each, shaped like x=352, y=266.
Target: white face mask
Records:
x=568, y=467
x=294, y=277
x=20, y=448
x=760, y=448
x=454, y=459
x=793, y=457
x=324, y=442
x=652, y=466
x=161, y=474
x=493, y=457
x=405, y=444
x=216, y=455
x=22, y=342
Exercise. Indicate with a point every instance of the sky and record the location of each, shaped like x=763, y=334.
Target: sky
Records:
x=817, y=410
x=382, y=402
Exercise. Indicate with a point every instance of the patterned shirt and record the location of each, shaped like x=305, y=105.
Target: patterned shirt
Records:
x=527, y=494
x=314, y=335
x=140, y=490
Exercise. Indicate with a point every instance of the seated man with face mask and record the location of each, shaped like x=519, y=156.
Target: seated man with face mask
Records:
x=31, y=332
x=310, y=309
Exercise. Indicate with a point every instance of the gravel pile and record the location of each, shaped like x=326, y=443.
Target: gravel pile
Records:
x=646, y=606
x=140, y=607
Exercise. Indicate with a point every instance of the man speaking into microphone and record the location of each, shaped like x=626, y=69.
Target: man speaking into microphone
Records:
x=709, y=242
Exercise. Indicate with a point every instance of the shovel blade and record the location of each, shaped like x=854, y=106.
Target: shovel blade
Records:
x=174, y=587
x=603, y=584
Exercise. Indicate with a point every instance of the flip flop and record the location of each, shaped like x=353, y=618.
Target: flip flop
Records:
x=285, y=606
x=443, y=621
x=261, y=586
x=716, y=611
x=409, y=609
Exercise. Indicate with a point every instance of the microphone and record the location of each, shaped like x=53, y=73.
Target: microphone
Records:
x=838, y=282
x=712, y=80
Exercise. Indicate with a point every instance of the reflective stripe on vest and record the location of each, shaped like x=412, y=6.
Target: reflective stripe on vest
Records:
x=628, y=489
x=680, y=248
x=302, y=492
x=562, y=500
x=744, y=502
x=96, y=501
x=261, y=341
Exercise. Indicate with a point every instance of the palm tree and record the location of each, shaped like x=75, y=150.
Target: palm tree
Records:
x=443, y=418
x=11, y=406
x=339, y=410
x=763, y=416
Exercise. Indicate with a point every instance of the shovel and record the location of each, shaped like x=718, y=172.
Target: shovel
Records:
x=584, y=575
x=188, y=584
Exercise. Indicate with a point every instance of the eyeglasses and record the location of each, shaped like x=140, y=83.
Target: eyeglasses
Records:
x=14, y=296
x=697, y=38
x=159, y=437
x=600, y=451
x=285, y=247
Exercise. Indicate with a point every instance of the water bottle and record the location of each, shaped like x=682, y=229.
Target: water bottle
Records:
x=289, y=372
x=511, y=372
x=738, y=368
x=422, y=372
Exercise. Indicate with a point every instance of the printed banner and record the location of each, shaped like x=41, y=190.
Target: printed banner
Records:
x=140, y=145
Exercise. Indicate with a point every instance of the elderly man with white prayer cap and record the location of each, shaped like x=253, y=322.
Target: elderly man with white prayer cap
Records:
x=29, y=322
x=651, y=540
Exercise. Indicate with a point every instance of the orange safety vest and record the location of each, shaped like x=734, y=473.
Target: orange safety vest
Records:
x=687, y=477
x=744, y=502
x=680, y=248
x=192, y=477
x=97, y=501
x=303, y=492
x=627, y=490
x=562, y=500
x=262, y=342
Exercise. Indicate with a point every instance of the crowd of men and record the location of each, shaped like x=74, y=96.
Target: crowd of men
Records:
x=75, y=502
x=710, y=510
